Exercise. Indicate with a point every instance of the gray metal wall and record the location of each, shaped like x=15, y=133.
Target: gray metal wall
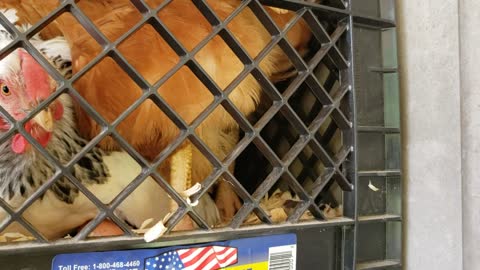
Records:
x=439, y=56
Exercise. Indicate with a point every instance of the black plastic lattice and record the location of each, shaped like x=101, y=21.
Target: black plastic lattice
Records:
x=314, y=111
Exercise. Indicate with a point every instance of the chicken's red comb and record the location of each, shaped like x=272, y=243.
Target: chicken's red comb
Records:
x=37, y=81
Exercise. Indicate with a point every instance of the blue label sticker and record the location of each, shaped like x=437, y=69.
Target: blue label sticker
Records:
x=259, y=253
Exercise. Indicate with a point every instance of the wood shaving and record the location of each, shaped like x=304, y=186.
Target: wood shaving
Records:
x=331, y=213
x=193, y=204
x=281, y=204
x=146, y=223
x=307, y=216
x=15, y=237
x=278, y=206
x=144, y=228
x=372, y=187
x=191, y=191
x=278, y=215
x=279, y=10
x=140, y=231
x=155, y=232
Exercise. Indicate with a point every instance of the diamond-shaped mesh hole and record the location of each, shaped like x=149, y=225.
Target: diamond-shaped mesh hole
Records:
x=223, y=9
x=330, y=201
x=145, y=49
x=157, y=123
x=220, y=132
x=254, y=40
x=106, y=228
x=336, y=57
x=328, y=76
x=330, y=136
x=280, y=135
x=250, y=99
x=181, y=89
x=252, y=167
x=223, y=69
x=307, y=168
x=281, y=68
x=15, y=233
x=59, y=59
x=101, y=13
x=305, y=104
x=329, y=26
x=308, y=40
x=177, y=16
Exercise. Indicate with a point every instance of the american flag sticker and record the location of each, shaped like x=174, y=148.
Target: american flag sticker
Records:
x=272, y=252
x=197, y=258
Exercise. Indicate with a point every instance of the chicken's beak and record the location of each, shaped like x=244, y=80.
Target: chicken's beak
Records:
x=45, y=119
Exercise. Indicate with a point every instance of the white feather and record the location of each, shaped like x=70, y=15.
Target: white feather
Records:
x=51, y=48
x=10, y=14
x=55, y=47
x=10, y=62
x=9, y=65
x=54, y=218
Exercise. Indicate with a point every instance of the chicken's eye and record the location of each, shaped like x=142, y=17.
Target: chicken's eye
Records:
x=5, y=90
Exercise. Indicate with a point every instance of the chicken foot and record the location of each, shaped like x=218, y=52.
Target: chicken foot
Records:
x=227, y=201
x=181, y=179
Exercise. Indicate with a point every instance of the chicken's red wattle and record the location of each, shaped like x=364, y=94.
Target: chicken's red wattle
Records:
x=20, y=143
